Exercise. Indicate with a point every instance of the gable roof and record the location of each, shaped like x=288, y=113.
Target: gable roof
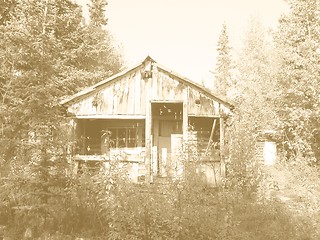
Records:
x=101, y=84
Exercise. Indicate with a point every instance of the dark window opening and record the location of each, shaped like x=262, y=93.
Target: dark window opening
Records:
x=97, y=136
x=201, y=130
x=171, y=111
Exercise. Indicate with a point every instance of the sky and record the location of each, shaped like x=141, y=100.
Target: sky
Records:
x=182, y=34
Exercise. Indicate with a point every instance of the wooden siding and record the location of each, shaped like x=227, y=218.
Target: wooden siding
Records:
x=127, y=96
x=165, y=88
x=201, y=105
x=168, y=88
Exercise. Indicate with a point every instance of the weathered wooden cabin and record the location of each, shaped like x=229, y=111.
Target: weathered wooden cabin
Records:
x=152, y=120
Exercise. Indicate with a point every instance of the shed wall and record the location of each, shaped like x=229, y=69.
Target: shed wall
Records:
x=127, y=96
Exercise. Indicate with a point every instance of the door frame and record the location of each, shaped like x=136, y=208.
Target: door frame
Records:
x=156, y=161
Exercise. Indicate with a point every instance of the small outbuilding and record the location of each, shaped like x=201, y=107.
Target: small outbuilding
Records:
x=152, y=120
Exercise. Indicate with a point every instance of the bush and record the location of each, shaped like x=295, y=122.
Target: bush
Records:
x=42, y=200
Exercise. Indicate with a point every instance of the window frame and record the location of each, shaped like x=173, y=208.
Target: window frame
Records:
x=115, y=140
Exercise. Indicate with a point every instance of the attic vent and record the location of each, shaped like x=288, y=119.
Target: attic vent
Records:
x=146, y=74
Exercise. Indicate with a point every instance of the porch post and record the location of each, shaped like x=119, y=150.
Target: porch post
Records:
x=222, y=161
x=185, y=121
x=74, y=134
x=72, y=129
x=148, y=133
x=84, y=138
x=185, y=142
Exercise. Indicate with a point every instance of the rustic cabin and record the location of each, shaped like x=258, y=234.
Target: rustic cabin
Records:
x=152, y=120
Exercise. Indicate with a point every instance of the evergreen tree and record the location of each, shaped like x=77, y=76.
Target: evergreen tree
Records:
x=97, y=13
x=96, y=53
x=35, y=46
x=7, y=8
x=298, y=41
x=47, y=51
x=223, y=79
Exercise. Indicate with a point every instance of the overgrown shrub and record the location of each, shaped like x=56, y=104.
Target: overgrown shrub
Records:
x=43, y=200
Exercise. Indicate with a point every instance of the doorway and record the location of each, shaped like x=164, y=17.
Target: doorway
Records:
x=167, y=135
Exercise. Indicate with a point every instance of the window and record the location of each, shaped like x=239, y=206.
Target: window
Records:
x=131, y=138
x=126, y=137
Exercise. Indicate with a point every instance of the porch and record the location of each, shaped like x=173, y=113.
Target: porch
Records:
x=124, y=140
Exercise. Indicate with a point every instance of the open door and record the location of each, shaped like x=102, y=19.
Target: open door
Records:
x=167, y=118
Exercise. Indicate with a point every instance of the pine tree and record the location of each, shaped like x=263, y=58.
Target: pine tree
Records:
x=34, y=43
x=223, y=65
x=97, y=13
x=96, y=54
x=7, y=8
x=44, y=55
